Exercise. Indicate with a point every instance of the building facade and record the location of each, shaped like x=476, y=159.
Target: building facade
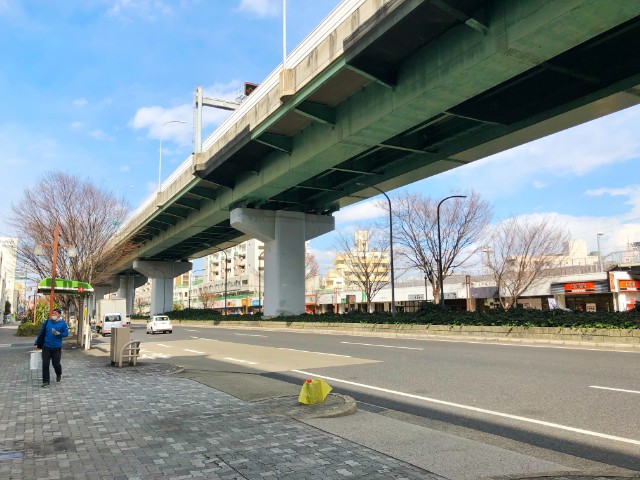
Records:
x=8, y=258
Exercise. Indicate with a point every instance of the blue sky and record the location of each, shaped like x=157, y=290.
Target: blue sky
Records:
x=85, y=87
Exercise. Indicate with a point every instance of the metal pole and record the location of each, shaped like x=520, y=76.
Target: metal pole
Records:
x=440, y=279
x=599, y=255
x=393, y=289
x=425, y=287
x=284, y=34
x=53, y=267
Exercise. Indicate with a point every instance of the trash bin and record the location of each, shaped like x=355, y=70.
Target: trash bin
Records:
x=120, y=336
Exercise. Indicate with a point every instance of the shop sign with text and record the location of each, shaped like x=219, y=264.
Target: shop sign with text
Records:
x=579, y=287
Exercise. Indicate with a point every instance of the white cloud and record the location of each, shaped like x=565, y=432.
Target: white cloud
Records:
x=632, y=192
x=571, y=153
x=80, y=102
x=539, y=184
x=146, y=9
x=360, y=212
x=124, y=168
x=100, y=135
x=261, y=8
x=77, y=126
x=151, y=119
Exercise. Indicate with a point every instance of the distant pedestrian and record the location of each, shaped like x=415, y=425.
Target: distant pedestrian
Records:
x=55, y=329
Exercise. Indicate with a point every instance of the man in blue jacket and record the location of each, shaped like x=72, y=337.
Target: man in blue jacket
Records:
x=56, y=330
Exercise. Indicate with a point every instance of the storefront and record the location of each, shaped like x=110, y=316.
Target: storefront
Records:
x=615, y=291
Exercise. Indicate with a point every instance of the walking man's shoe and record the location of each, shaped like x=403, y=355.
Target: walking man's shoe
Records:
x=58, y=378
x=45, y=385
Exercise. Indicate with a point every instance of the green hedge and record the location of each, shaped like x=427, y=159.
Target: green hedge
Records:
x=433, y=315
x=29, y=329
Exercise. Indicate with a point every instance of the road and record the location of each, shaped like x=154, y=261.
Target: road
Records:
x=578, y=402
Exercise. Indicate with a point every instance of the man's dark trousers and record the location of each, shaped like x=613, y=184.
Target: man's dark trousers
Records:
x=52, y=355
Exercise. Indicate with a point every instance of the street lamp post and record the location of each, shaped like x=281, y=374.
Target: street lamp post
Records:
x=71, y=251
x=425, y=287
x=599, y=255
x=160, y=161
x=393, y=289
x=440, y=280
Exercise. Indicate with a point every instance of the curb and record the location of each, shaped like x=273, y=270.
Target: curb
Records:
x=563, y=475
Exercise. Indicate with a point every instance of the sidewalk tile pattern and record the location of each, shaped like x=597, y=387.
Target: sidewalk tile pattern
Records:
x=137, y=423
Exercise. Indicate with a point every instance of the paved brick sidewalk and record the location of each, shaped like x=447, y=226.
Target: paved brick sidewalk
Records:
x=101, y=422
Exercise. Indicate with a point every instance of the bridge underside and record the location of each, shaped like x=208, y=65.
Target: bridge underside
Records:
x=427, y=87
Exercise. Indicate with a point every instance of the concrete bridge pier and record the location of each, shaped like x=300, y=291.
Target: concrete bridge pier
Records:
x=127, y=285
x=161, y=274
x=284, y=234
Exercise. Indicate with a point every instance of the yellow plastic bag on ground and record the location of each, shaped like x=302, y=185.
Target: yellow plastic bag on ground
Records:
x=313, y=391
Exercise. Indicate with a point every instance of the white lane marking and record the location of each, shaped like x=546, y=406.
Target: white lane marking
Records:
x=163, y=345
x=476, y=409
x=383, y=346
x=5, y=344
x=317, y=353
x=193, y=351
x=187, y=330
x=250, y=335
x=615, y=389
x=195, y=337
x=240, y=361
x=153, y=355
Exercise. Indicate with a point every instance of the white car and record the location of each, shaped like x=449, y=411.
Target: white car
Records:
x=159, y=323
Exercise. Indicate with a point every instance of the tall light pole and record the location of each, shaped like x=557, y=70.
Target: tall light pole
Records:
x=425, y=286
x=599, y=255
x=393, y=289
x=284, y=34
x=71, y=251
x=440, y=280
x=160, y=161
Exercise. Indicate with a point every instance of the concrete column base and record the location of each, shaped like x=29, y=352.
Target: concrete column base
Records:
x=284, y=235
x=161, y=275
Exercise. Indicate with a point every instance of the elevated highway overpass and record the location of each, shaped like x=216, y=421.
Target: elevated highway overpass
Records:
x=383, y=93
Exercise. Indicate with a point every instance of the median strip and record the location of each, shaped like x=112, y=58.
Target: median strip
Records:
x=476, y=409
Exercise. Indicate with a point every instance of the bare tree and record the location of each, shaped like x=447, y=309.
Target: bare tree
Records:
x=310, y=266
x=205, y=297
x=88, y=217
x=140, y=303
x=521, y=252
x=363, y=260
x=462, y=223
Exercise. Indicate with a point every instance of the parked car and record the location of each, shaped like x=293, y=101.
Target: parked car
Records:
x=159, y=323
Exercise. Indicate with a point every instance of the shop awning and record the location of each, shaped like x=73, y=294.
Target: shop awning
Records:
x=64, y=286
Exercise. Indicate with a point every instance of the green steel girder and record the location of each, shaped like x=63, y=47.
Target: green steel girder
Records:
x=432, y=120
x=318, y=112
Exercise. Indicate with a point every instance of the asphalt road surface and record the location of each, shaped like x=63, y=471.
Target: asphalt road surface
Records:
x=574, y=401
